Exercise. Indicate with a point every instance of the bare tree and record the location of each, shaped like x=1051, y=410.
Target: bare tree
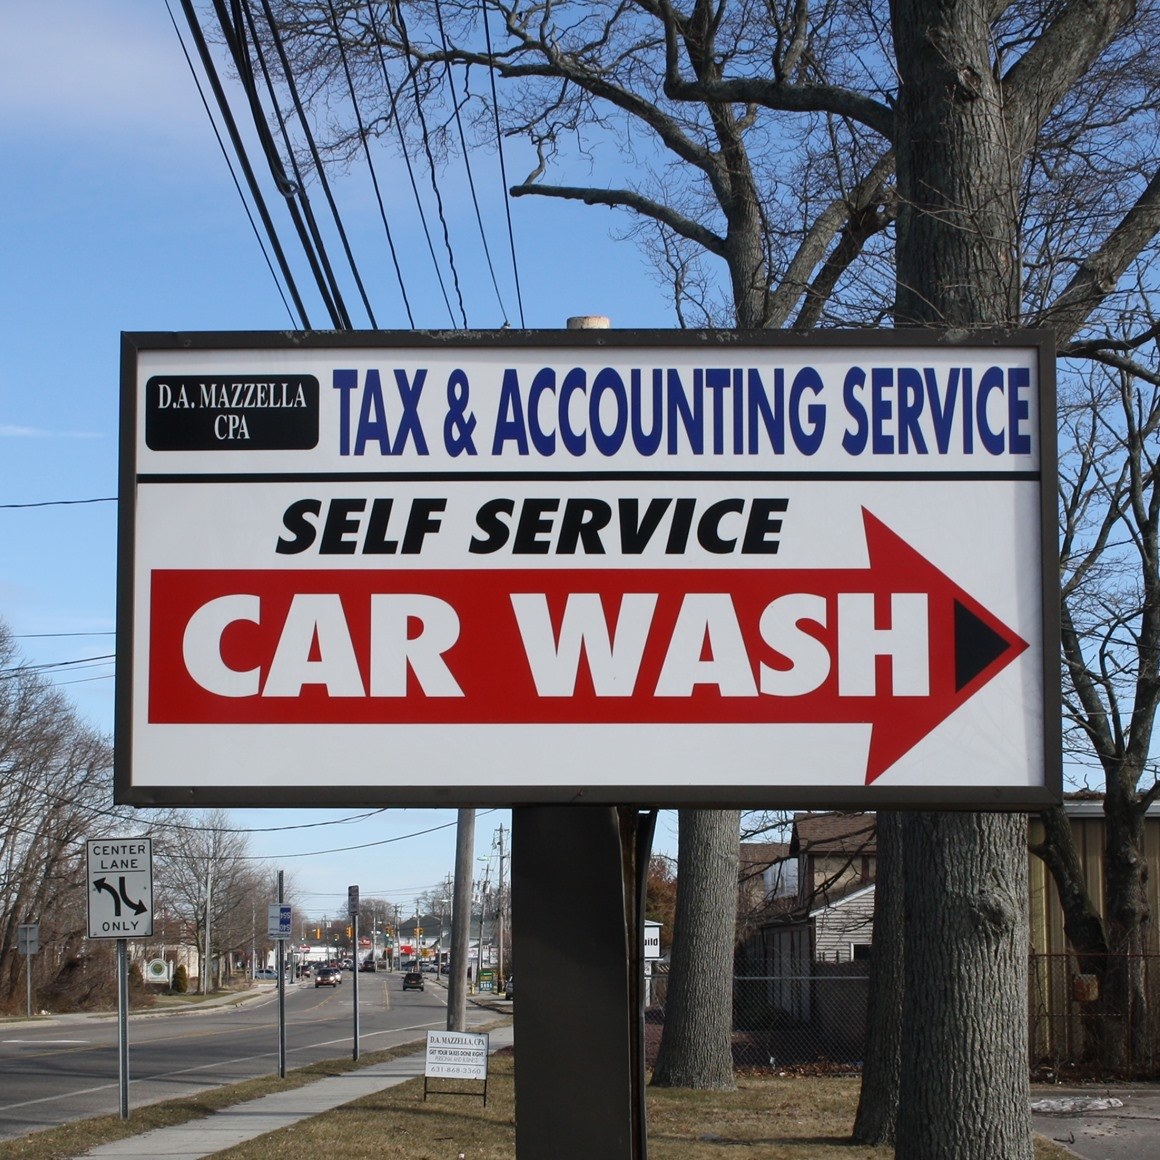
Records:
x=958, y=165
x=214, y=890
x=55, y=783
x=1110, y=612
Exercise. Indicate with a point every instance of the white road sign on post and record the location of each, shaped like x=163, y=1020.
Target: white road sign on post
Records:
x=674, y=568
x=279, y=920
x=120, y=887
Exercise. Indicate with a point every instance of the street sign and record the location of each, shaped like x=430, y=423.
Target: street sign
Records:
x=279, y=920
x=352, y=900
x=673, y=568
x=28, y=938
x=120, y=887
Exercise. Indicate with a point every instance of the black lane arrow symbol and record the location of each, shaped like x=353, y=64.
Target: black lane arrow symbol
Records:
x=101, y=884
x=136, y=907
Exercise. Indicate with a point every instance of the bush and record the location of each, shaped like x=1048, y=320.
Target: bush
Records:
x=180, y=980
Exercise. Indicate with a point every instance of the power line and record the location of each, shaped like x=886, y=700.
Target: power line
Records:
x=46, y=635
x=297, y=188
x=404, y=152
x=319, y=168
x=60, y=502
x=401, y=24
x=18, y=670
x=502, y=166
x=229, y=164
x=234, y=38
x=243, y=159
x=363, y=134
x=467, y=158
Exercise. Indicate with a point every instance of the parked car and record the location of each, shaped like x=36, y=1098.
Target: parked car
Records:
x=413, y=981
x=328, y=977
x=509, y=989
x=266, y=973
x=430, y=969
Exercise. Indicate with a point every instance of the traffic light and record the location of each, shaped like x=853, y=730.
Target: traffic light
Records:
x=318, y=932
x=349, y=931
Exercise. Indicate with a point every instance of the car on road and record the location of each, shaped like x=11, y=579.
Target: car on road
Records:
x=328, y=977
x=412, y=981
x=367, y=965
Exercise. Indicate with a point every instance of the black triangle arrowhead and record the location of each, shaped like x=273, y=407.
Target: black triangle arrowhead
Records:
x=977, y=646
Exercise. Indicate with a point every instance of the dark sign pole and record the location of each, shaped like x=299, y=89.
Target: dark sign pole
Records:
x=577, y=918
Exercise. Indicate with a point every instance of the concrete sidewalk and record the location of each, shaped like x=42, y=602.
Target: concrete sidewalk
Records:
x=243, y=1122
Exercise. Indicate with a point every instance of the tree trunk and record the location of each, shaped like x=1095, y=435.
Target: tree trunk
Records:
x=964, y=1093
x=882, y=1068
x=695, y=1049
x=1123, y=1000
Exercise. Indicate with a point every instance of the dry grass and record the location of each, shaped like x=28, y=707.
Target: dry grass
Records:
x=771, y=1117
x=774, y=1118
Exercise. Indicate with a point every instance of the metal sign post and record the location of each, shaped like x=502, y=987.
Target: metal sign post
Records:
x=120, y=906
x=123, y=1025
x=28, y=943
x=280, y=925
x=352, y=908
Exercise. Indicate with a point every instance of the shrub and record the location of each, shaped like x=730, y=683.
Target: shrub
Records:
x=180, y=980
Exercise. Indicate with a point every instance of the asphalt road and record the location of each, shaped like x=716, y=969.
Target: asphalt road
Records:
x=66, y=1068
x=1080, y=1120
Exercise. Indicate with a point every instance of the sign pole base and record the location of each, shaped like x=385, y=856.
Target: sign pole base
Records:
x=123, y=1024
x=577, y=912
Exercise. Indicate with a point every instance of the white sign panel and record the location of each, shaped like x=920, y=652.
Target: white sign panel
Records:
x=120, y=887
x=279, y=920
x=670, y=568
x=652, y=940
x=456, y=1055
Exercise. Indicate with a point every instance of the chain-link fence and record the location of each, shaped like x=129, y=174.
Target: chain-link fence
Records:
x=813, y=1017
x=1080, y=1025
x=1105, y=1024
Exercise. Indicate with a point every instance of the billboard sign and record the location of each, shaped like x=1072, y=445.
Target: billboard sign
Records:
x=659, y=567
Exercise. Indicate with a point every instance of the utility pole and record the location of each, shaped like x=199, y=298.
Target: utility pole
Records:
x=482, y=920
x=499, y=907
x=460, y=922
x=206, y=969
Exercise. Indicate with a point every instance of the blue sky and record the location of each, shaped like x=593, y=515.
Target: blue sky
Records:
x=120, y=215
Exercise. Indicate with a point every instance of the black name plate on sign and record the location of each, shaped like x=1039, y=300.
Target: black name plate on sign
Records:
x=231, y=413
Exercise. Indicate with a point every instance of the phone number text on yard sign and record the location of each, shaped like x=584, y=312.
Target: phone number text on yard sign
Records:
x=678, y=568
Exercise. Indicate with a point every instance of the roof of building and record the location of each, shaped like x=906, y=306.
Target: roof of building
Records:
x=756, y=855
x=834, y=833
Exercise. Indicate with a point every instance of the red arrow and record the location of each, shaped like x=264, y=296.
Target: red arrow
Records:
x=700, y=655
x=969, y=646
